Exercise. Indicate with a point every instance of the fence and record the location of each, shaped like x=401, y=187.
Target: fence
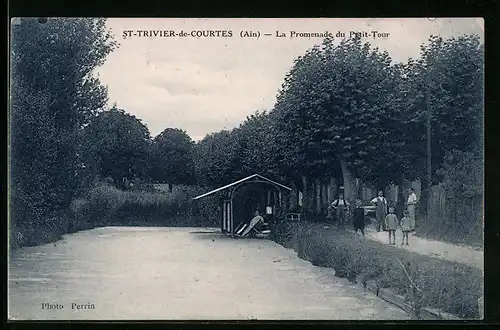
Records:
x=453, y=208
x=446, y=212
x=456, y=217
x=437, y=202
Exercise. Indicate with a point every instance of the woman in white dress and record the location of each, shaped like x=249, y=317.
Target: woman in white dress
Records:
x=411, y=204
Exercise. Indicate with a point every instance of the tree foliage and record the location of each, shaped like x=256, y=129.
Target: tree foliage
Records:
x=115, y=144
x=452, y=72
x=53, y=94
x=216, y=157
x=349, y=103
x=463, y=173
x=340, y=103
x=257, y=145
x=172, y=157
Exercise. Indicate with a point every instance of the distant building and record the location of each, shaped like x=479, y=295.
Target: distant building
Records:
x=162, y=187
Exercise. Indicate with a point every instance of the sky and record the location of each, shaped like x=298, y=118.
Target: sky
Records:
x=206, y=84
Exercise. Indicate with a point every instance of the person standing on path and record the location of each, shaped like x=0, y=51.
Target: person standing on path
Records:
x=391, y=223
x=405, y=226
x=411, y=204
x=381, y=211
x=359, y=218
x=340, y=206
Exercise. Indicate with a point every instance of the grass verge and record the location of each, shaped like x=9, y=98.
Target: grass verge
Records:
x=453, y=233
x=425, y=281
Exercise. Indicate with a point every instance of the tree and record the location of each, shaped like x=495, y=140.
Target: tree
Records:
x=463, y=173
x=337, y=105
x=53, y=95
x=34, y=145
x=216, y=159
x=447, y=85
x=452, y=71
x=257, y=146
x=172, y=157
x=115, y=144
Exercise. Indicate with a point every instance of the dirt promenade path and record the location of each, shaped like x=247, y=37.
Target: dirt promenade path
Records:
x=127, y=273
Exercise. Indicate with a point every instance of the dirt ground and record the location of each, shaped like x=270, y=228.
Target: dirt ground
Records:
x=451, y=252
x=128, y=273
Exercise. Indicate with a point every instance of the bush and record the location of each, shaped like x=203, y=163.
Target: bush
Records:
x=44, y=230
x=100, y=206
x=449, y=286
x=463, y=173
x=105, y=204
x=209, y=210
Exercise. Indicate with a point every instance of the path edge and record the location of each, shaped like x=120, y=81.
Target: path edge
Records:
x=389, y=295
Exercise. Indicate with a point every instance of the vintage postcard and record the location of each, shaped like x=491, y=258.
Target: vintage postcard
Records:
x=246, y=169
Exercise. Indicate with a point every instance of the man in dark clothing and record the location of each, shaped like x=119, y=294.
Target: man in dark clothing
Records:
x=341, y=207
x=359, y=218
x=381, y=211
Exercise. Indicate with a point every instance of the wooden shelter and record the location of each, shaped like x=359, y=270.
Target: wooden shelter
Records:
x=240, y=199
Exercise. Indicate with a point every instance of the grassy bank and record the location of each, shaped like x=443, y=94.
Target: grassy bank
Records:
x=51, y=231
x=471, y=235
x=106, y=205
x=451, y=287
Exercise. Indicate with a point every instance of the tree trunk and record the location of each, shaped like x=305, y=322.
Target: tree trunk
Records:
x=349, y=182
x=318, y=196
x=293, y=196
x=424, y=199
x=329, y=192
x=365, y=192
x=305, y=194
x=332, y=190
x=402, y=196
x=324, y=196
x=312, y=195
x=358, y=188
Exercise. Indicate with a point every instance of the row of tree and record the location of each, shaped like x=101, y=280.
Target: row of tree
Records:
x=344, y=109
x=348, y=109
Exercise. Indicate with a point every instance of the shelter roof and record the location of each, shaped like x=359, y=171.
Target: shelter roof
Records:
x=254, y=177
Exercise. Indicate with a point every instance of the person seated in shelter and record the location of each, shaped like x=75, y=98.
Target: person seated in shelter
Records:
x=255, y=220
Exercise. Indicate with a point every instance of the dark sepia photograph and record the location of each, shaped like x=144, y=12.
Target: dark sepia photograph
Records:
x=246, y=169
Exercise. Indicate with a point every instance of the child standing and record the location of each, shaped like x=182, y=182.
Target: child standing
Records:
x=406, y=226
x=391, y=222
x=359, y=218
